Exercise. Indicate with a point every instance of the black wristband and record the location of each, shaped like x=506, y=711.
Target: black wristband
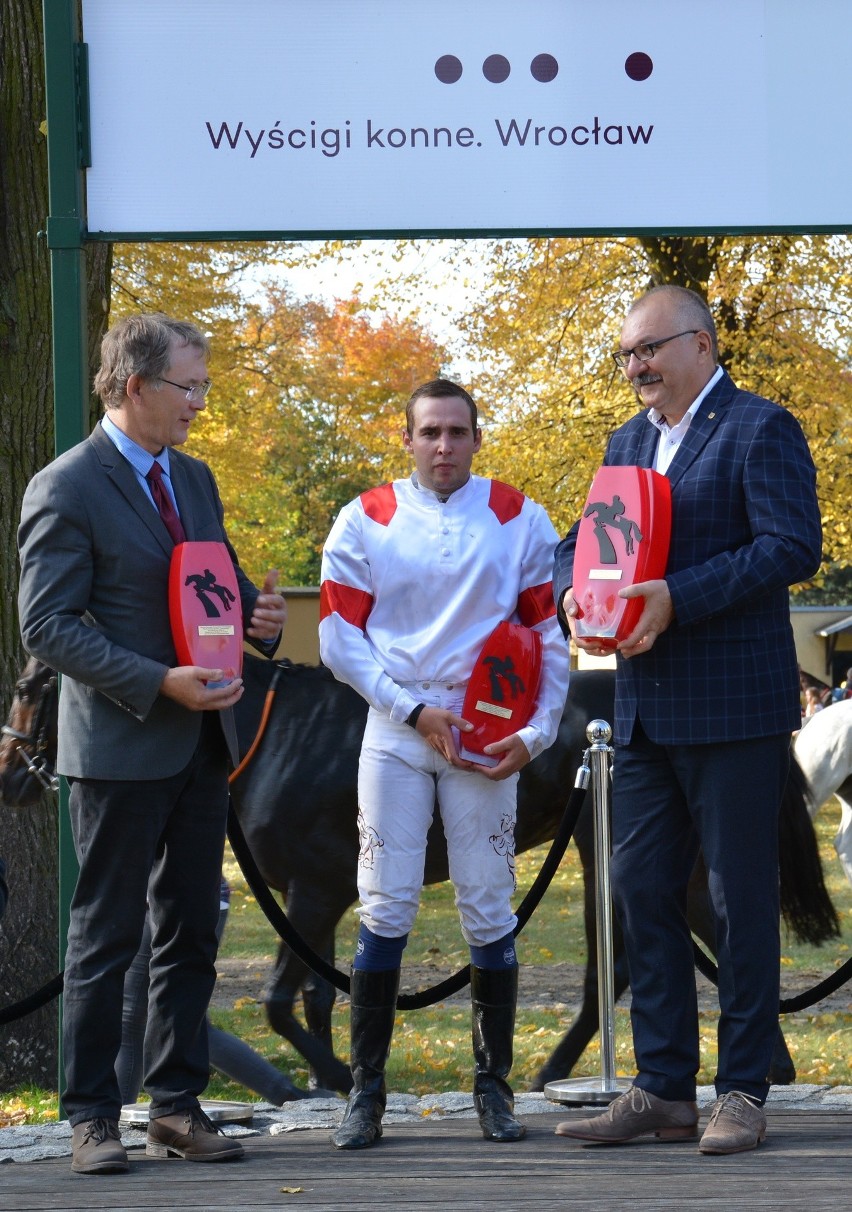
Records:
x=415, y=715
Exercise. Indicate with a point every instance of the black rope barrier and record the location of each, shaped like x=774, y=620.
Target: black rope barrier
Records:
x=279, y=921
x=35, y=1001
x=788, y=1005
x=281, y=924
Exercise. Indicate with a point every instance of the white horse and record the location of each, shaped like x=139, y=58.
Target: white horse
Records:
x=824, y=751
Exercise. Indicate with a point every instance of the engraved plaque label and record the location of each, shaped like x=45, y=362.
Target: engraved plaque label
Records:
x=490, y=709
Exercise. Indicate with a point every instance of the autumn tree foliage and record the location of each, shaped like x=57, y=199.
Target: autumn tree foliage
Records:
x=308, y=395
x=319, y=389
x=549, y=314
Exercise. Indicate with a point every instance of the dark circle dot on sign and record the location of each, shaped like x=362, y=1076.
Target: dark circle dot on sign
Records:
x=638, y=65
x=448, y=69
x=496, y=68
x=544, y=68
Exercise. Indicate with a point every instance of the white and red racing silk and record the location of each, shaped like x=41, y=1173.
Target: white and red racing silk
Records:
x=413, y=585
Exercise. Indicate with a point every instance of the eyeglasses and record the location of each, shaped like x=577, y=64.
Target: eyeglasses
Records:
x=645, y=352
x=198, y=392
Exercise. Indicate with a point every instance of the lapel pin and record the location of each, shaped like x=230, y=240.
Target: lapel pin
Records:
x=710, y=416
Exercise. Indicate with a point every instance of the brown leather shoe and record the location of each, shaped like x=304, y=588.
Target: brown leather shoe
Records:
x=737, y=1124
x=96, y=1148
x=635, y=1113
x=191, y=1135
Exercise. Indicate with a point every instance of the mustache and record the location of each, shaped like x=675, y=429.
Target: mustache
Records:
x=644, y=379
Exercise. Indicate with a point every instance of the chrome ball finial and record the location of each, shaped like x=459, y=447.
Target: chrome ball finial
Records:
x=599, y=732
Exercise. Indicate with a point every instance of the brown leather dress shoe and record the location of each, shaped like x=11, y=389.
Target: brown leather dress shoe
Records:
x=191, y=1135
x=96, y=1148
x=737, y=1123
x=635, y=1113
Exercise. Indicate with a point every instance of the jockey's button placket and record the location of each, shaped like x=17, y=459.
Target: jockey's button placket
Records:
x=446, y=540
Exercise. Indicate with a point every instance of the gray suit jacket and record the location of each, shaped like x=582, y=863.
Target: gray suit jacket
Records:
x=94, y=605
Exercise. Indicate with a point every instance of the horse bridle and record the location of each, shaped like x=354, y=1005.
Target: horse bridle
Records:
x=37, y=739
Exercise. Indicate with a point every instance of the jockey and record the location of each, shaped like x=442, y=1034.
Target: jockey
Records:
x=415, y=577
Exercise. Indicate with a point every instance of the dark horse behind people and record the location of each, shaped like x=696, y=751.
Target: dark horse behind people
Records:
x=297, y=804
x=28, y=738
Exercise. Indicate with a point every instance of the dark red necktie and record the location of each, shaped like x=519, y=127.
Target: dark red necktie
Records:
x=164, y=503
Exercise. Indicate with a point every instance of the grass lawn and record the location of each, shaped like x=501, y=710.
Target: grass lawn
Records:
x=431, y=1049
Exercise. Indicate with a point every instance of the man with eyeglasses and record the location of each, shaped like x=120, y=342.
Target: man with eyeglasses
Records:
x=702, y=735
x=143, y=742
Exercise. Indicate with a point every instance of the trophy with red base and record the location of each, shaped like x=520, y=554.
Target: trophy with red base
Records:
x=502, y=691
x=205, y=610
x=623, y=540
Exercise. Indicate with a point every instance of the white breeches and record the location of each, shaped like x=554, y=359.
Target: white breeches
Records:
x=400, y=778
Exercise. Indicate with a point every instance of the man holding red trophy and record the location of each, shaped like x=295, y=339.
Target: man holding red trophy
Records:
x=707, y=694
x=144, y=736
x=427, y=585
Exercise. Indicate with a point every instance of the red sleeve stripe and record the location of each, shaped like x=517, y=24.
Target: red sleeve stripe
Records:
x=353, y=605
x=536, y=604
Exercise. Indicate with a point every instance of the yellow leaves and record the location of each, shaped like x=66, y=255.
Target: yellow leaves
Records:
x=27, y=1107
x=306, y=411
x=307, y=406
x=241, y=1002
x=817, y=1072
x=532, y=1029
x=11, y=1115
x=549, y=313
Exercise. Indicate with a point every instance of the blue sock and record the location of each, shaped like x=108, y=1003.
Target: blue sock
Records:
x=496, y=955
x=376, y=954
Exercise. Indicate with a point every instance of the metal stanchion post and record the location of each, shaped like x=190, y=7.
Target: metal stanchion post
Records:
x=607, y=1087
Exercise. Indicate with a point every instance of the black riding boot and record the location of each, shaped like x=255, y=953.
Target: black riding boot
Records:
x=494, y=995
x=371, y=1018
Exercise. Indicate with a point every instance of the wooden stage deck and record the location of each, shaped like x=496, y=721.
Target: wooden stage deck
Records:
x=806, y=1162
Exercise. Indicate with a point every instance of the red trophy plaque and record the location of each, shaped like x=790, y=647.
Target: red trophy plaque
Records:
x=502, y=690
x=623, y=540
x=204, y=608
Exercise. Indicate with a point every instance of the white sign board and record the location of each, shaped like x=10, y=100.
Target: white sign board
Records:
x=383, y=116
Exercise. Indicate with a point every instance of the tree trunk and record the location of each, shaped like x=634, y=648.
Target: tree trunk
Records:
x=681, y=260
x=28, y=837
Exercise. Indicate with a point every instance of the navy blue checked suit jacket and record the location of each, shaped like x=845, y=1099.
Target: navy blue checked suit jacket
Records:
x=745, y=526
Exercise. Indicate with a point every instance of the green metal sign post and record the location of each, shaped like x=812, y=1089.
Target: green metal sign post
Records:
x=65, y=227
